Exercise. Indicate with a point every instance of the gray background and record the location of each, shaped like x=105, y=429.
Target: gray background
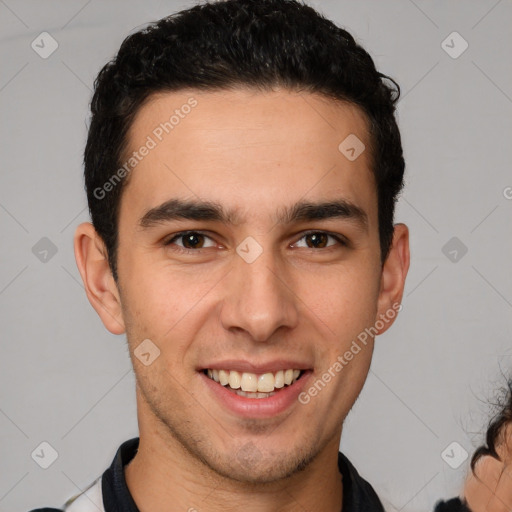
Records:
x=65, y=380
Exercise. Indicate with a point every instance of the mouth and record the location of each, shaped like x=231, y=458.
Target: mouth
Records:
x=253, y=385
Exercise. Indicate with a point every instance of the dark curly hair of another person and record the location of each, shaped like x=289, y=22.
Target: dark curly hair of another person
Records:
x=229, y=44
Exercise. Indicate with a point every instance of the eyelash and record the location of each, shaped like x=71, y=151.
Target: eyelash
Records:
x=341, y=241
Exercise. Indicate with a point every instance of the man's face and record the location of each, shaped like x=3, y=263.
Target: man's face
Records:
x=259, y=292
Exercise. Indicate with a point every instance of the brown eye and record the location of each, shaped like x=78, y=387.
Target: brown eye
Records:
x=190, y=240
x=316, y=240
x=319, y=240
x=193, y=241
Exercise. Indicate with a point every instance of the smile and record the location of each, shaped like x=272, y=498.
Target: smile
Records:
x=252, y=385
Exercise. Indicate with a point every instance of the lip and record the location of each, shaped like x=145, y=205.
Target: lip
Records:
x=258, y=408
x=246, y=366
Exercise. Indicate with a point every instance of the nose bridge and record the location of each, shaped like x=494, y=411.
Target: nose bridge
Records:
x=258, y=301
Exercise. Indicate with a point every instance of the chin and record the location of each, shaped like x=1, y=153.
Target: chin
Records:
x=251, y=466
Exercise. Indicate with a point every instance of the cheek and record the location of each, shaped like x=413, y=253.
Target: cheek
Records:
x=345, y=300
x=158, y=300
x=170, y=306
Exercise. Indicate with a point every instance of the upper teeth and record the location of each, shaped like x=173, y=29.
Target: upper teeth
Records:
x=265, y=382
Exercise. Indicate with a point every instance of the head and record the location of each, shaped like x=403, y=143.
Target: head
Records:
x=489, y=483
x=242, y=168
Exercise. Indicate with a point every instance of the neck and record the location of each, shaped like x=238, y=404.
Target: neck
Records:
x=163, y=476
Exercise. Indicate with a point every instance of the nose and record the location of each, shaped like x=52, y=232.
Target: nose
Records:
x=259, y=299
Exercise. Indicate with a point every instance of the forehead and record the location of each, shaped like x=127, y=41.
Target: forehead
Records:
x=249, y=150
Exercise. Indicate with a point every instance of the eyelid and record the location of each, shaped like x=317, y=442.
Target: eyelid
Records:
x=338, y=237
x=168, y=241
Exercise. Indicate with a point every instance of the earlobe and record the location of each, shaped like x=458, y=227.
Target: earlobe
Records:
x=100, y=287
x=393, y=276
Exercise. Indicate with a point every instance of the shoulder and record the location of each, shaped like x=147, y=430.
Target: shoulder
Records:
x=90, y=500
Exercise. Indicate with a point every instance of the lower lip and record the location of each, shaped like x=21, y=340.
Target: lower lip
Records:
x=257, y=407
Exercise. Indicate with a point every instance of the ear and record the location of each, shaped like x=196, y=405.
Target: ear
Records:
x=100, y=287
x=394, y=272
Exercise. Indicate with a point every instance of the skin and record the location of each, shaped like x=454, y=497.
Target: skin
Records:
x=255, y=153
x=490, y=487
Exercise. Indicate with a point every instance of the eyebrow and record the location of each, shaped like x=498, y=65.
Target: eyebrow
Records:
x=302, y=211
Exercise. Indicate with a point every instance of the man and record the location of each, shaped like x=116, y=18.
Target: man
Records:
x=242, y=167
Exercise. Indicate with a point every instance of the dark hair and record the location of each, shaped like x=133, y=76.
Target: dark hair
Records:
x=238, y=43
x=497, y=427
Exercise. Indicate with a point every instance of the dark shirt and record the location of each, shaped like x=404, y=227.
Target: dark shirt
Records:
x=453, y=505
x=358, y=494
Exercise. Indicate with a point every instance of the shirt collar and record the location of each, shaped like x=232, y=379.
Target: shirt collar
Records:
x=358, y=494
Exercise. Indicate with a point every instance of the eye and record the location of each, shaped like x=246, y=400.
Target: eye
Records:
x=319, y=240
x=190, y=240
